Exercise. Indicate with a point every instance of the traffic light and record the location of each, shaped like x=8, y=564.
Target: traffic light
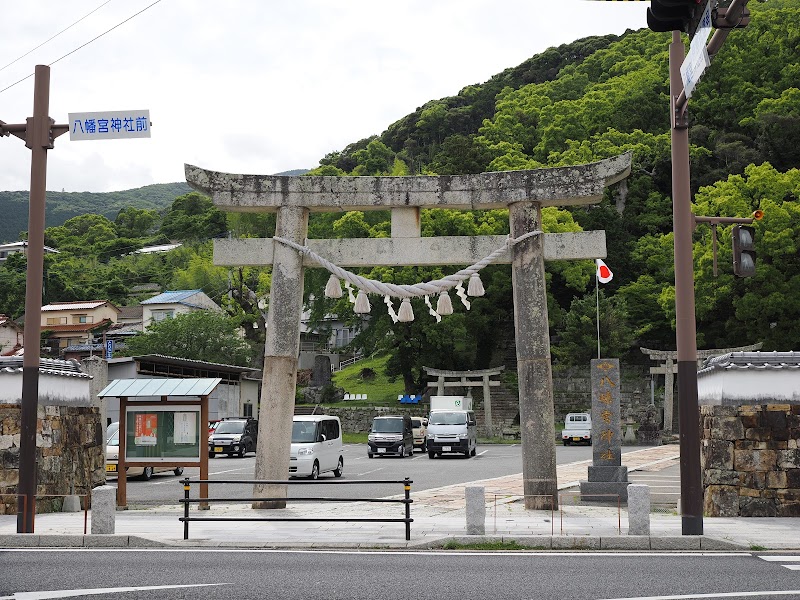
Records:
x=675, y=15
x=744, y=251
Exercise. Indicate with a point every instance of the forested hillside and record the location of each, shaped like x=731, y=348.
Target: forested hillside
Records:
x=577, y=103
x=64, y=205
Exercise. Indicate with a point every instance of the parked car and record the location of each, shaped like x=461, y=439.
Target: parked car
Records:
x=316, y=446
x=234, y=436
x=141, y=471
x=419, y=427
x=577, y=429
x=391, y=435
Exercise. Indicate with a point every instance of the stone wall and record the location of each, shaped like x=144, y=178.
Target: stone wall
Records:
x=572, y=392
x=70, y=456
x=359, y=419
x=751, y=460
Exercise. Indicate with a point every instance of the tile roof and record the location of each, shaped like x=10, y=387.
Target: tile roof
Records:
x=131, y=312
x=9, y=322
x=756, y=361
x=85, y=305
x=76, y=327
x=171, y=297
x=49, y=366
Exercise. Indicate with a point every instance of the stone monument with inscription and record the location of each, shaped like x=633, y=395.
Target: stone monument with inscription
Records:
x=608, y=477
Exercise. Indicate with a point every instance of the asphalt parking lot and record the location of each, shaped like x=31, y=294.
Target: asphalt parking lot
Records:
x=491, y=461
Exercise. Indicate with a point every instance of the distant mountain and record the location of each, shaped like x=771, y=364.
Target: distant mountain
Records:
x=65, y=205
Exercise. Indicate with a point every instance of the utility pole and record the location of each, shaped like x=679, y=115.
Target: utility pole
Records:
x=39, y=133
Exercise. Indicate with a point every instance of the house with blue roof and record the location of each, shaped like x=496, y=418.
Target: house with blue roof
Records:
x=170, y=304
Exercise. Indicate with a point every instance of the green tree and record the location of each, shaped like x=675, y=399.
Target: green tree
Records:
x=12, y=285
x=199, y=335
x=193, y=217
x=132, y=222
x=576, y=339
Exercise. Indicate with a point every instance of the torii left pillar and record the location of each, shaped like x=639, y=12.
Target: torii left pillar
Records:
x=281, y=349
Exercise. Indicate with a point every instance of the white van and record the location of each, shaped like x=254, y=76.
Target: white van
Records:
x=452, y=431
x=316, y=446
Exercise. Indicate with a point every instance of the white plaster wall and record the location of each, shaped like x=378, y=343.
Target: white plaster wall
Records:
x=749, y=386
x=54, y=390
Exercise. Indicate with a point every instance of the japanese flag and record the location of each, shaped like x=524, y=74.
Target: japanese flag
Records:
x=604, y=274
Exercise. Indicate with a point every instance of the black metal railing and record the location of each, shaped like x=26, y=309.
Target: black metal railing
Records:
x=406, y=500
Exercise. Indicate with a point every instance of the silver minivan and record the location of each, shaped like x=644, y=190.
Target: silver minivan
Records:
x=316, y=446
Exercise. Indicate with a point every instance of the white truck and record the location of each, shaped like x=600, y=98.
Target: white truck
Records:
x=451, y=403
x=451, y=427
x=577, y=429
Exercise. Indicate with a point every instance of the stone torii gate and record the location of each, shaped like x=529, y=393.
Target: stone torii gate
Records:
x=524, y=193
x=468, y=379
x=669, y=369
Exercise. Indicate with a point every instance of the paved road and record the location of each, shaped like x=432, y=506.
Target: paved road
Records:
x=364, y=575
x=491, y=461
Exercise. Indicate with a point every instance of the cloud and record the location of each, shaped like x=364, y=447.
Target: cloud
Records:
x=248, y=86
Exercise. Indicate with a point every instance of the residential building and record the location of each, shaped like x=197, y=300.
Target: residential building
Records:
x=328, y=338
x=7, y=250
x=237, y=395
x=170, y=304
x=70, y=323
x=10, y=336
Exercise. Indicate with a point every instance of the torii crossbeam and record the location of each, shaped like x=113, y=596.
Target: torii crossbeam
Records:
x=524, y=193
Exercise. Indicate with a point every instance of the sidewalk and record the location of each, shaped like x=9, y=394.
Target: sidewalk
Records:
x=439, y=518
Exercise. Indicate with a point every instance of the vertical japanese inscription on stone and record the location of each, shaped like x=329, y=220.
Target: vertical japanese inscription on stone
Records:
x=606, y=423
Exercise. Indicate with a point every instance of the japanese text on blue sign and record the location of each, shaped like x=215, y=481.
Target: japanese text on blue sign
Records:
x=109, y=125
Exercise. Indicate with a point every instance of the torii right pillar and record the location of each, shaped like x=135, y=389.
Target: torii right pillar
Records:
x=536, y=411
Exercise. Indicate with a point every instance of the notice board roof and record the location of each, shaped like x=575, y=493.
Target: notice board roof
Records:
x=132, y=388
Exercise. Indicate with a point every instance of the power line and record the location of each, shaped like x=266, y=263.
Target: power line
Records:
x=54, y=36
x=84, y=45
x=105, y=32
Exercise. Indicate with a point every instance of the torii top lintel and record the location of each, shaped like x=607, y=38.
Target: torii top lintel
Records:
x=559, y=186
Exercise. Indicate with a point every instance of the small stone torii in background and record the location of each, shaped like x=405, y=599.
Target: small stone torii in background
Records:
x=524, y=193
x=468, y=379
x=669, y=368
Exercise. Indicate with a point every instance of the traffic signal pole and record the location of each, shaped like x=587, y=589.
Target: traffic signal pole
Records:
x=685, y=327
x=683, y=226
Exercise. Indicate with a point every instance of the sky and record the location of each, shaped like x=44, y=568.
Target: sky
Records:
x=257, y=86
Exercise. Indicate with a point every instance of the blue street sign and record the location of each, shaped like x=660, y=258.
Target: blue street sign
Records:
x=109, y=349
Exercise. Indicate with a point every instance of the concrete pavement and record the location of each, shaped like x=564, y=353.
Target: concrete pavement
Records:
x=439, y=519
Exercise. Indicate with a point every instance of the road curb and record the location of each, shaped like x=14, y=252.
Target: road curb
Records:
x=526, y=542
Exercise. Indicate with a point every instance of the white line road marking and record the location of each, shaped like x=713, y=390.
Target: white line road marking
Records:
x=525, y=553
x=45, y=595
x=719, y=595
x=771, y=558
x=792, y=567
x=373, y=471
x=482, y=453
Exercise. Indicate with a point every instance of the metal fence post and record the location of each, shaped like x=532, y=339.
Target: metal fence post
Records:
x=186, y=487
x=407, y=488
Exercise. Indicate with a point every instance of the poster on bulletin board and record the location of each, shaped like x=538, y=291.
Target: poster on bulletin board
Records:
x=146, y=429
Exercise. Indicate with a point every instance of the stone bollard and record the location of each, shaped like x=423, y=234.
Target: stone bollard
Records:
x=104, y=508
x=638, y=509
x=476, y=510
